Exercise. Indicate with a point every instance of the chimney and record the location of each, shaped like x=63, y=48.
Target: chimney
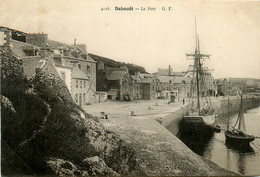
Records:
x=75, y=42
x=5, y=37
x=169, y=70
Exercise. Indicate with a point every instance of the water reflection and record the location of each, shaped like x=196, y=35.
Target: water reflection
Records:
x=245, y=161
x=196, y=143
x=240, y=154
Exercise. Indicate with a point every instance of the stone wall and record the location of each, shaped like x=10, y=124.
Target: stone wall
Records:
x=40, y=40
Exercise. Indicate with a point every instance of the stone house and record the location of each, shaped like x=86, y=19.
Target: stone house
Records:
x=116, y=81
x=207, y=84
x=145, y=86
x=74, y=66
x=174, y=87
x=224, y=87
x=71, y=62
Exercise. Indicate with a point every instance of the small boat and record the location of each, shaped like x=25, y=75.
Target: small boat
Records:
x=238, y=135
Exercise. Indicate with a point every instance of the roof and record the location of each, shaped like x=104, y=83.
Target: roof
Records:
x=17, y=48
x=77, y=73
x=164, y=71
x=116, y=75
x=165, y=79
x=112, y=92
x=178, y=73
x=13, y=30
x=179, y=80
x=135, y=77
x=143, y=78
x=90, y=59
x=222, y=80
x=146, y=80
x=56, y=44
x=143, y=75
x=174, y=79
x=59, y=45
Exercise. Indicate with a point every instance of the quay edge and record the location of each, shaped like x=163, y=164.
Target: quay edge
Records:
x=173, y=120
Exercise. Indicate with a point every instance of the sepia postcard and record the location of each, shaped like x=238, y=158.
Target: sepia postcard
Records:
x=130, y=87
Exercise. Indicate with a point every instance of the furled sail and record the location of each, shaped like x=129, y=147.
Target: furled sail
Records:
x=240, y=120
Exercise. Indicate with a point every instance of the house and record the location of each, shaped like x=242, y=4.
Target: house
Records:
x=164, y=72
x=71, y=62
x=116, y=81
x=224, y=87
x=145, y=86
x=174, y=87
x=207, y=85
x=169, y=72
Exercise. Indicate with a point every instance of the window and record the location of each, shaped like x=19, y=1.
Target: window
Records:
x=88, y=69
x=77, y=83
x=80, y=84
x=79, y=66
x=84, y=99
x=80, y=99
x=76, y=98
x=84, y=84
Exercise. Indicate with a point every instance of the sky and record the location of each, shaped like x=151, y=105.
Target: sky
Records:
x=228, y=30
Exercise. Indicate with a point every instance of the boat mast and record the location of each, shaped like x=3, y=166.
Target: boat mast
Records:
x=228, y=115
x=197, y=68
x=197, y=65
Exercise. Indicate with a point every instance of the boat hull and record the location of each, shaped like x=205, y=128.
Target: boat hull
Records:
x=195, y=124
x=241, y=140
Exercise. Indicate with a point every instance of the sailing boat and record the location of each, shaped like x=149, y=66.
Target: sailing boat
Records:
x=238, y=135
x=199, y=118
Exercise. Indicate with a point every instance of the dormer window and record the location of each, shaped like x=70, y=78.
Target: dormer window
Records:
x=30, y=50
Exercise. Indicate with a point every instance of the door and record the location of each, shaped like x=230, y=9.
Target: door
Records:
x=172, y=98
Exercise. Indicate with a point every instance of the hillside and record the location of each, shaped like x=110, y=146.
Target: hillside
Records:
x=45, y=133
x=240, y=80
x=116, y=64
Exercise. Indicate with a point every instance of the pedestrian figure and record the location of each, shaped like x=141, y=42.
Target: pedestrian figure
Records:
x=183, y=101
x=106, y=117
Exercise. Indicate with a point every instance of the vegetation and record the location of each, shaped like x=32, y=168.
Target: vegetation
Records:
x=43, y=128
x=115, y=64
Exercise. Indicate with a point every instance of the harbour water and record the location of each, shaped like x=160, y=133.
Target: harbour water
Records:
x=243, y=161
